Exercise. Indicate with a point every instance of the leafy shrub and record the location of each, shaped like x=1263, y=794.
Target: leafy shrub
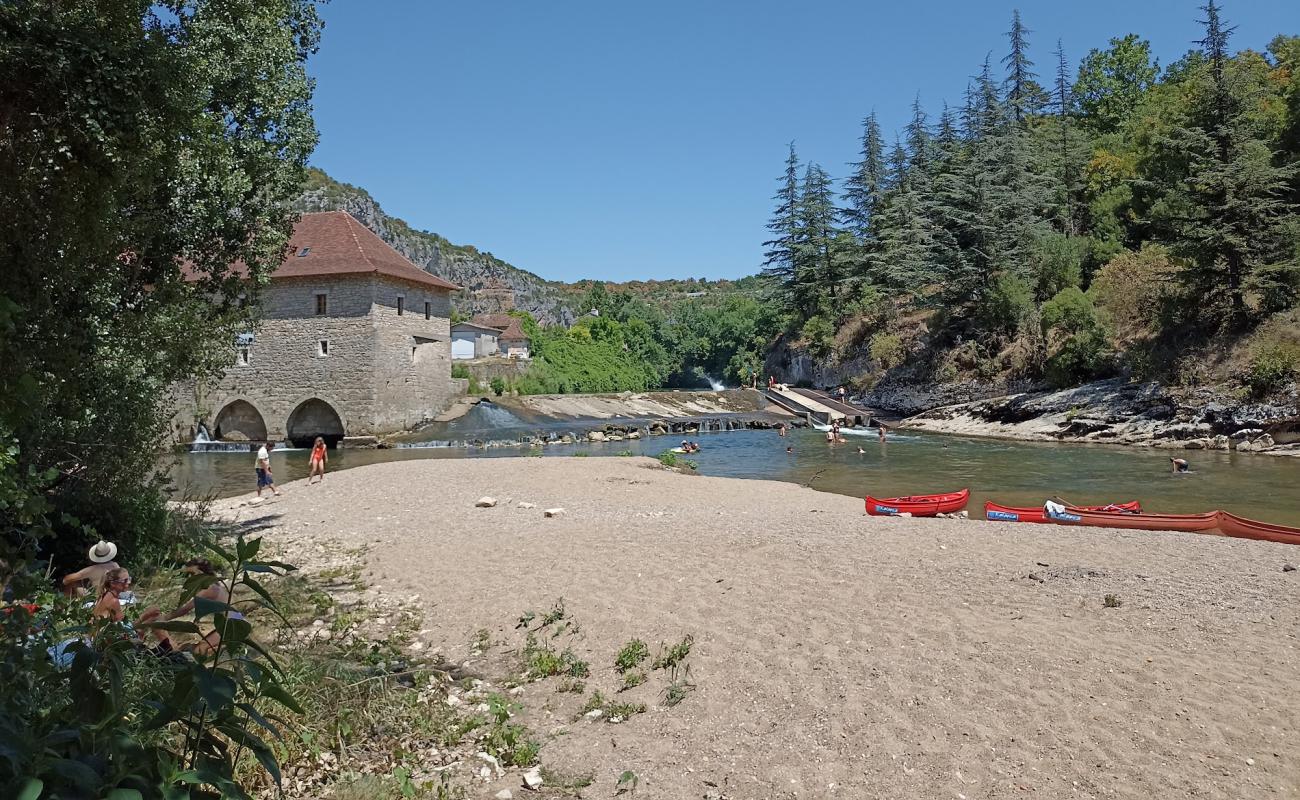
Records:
x=886, y=350
x=632, y=654
x=1271, y=368
x=819, y=334
x=670, y=657
x=1076, y=338
x=1005, y=304
x=460, y=371
x=498, y=385
x=1058, y=263
x=1137, y=289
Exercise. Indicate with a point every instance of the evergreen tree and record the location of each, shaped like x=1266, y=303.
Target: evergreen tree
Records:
x=865, y=187
x=816, y=273
x=1064, y=102
x=780, y=254
x=1024, y=95
x=907, y=235
x=1229, y=209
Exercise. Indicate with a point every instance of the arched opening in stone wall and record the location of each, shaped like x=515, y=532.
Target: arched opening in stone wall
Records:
x=239, y=421
x=314, y=418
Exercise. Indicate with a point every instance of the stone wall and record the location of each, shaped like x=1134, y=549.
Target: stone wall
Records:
x=412, y=356
x=379, y=372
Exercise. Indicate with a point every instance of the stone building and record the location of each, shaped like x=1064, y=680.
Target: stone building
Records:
x=354, y=342
x=490, y=335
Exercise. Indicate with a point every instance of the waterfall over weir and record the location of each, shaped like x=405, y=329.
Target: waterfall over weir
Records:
x=203, y=443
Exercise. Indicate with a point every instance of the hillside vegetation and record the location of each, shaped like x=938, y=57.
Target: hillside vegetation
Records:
x=1124, y=218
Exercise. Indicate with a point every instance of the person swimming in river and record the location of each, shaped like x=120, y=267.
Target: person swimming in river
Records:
x=1179, y=465
x=861, y=452
x=881, y=431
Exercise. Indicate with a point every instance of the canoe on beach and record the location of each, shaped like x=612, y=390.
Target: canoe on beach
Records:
x=919, y=505
x=994, y=511
x=1190, y=523
x=1242, y=528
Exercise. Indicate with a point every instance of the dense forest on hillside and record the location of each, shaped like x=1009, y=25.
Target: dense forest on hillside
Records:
x=1123, y=217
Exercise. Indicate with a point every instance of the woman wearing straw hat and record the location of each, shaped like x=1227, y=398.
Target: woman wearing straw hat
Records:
x=101, y=556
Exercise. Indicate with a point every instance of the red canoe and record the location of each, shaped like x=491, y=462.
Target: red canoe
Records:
x=1243, y=528
x=918, y=505
x=994, y=511
x=1190, y=523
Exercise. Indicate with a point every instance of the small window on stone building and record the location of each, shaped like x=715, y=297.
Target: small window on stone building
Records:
x=401, y=305
x=428, y=310
x=323, y=347
x=322, y=304
x=243, y=357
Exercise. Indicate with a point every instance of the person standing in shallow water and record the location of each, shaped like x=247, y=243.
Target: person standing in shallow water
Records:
x=318, y=458
x=264, y=478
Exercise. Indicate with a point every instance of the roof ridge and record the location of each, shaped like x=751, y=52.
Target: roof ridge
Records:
x=353, y=233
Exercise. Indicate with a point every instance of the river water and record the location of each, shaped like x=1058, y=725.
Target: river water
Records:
x=1010, y=472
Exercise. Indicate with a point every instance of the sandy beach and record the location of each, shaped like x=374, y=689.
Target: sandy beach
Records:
x=836, y=655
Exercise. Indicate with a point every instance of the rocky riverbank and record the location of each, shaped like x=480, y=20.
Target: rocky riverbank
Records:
x=1119, y=412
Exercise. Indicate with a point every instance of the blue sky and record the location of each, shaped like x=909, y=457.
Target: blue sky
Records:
x=633, y=140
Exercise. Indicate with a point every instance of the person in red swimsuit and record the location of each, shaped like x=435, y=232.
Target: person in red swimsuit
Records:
x=318, y=458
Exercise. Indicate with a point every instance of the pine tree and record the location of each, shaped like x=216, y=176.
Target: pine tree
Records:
x=907, y=234
x=1024, y=95
x=1232, y=198
x=780, y=254
x=865, y=187
x=816, y=273
x=1064, y=111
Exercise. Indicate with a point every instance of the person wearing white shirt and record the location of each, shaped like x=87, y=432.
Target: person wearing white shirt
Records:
x=264, y=478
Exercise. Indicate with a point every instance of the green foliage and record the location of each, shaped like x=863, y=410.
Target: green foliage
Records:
x=1272, y=367
x=1112, y=82
x=679, y=684
x=887, y=350
x=819, y=335
x=1005, y=305
x=674, y=461
x=631, y=656
x=82, y=730
x=670, y=657
x=1058, y=263
x=992, y=213
x=460, y=371
x=509, y=742
x=1076, y=338
x=498, y=385
x=133, y=138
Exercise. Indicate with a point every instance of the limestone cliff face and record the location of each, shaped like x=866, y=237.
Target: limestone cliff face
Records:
x=489, y=285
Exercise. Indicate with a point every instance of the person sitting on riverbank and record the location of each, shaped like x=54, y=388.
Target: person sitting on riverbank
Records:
x=217, y=592
x=108, y=608
x=264, y=478
x=318, y=459
x=1179, y=465
x=101, y=555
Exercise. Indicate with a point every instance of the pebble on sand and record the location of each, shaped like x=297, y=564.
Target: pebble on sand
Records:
x=486, y=502
x=554, y=512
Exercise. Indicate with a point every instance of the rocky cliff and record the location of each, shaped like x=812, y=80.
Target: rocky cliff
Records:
x=489, y=285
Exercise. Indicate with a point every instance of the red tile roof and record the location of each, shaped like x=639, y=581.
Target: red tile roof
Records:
x=508, y=325
x=335, y=243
